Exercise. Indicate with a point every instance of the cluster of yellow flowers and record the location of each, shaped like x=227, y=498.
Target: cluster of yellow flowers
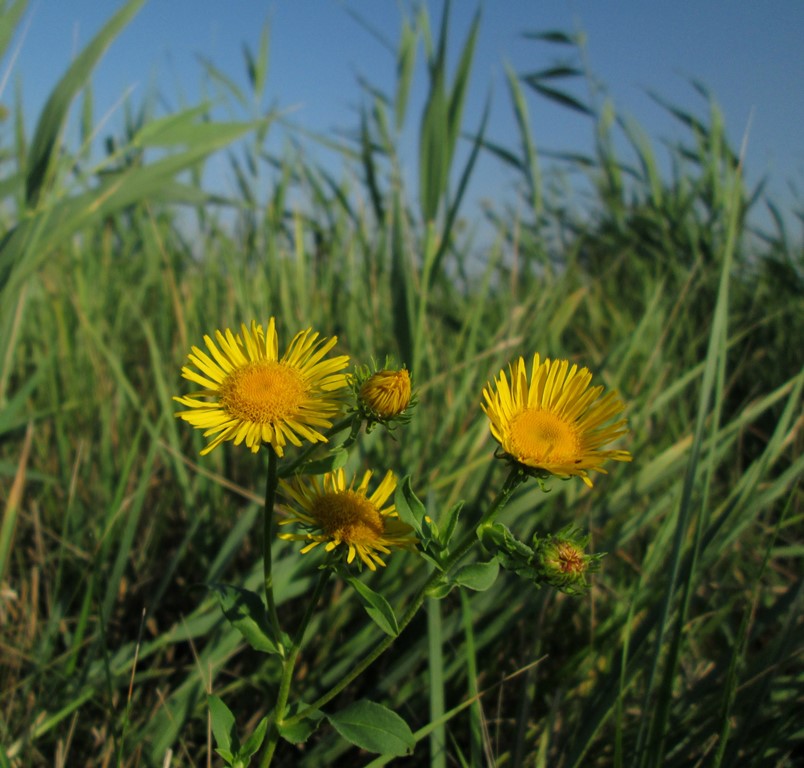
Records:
x=549, y=423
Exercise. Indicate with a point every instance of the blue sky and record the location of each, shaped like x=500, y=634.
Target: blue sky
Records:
x=750, y=55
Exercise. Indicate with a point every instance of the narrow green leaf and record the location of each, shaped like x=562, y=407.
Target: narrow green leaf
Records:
x=377, y=607
x=529, y=161
x=451, y=521
x=553, y=73
x=553, y=36
x=433, y=151
x=408, y=506
x=560, y=97
x=54, y=114
x=253, y=742
x=335, y=460
x=9, y=18
x=477, y=576
x=375, y=728
x=246, y=613
x=223, y=723
x=405, y=63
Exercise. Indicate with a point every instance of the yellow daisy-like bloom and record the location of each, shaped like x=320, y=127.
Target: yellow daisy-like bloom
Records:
x=386, y=393
x=335, y=515
x=253, y=395
x=555, y=422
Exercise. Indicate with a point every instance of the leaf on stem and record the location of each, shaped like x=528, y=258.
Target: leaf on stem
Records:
x=375, y=728
x=377, y=607
x=300, y=731
x=246, y=613
x=223, y=725
x=335, y=460
x=252, y=744
x=477, y=576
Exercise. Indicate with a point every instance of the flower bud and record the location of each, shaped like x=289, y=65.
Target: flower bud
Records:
x=386, y=393
x=563, y=563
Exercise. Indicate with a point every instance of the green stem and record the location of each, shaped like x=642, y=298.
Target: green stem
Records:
x=267, y=540
x=512, y=482
x=288, y=665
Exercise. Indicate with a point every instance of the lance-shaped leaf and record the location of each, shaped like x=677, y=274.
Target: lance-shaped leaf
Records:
x=246, y=613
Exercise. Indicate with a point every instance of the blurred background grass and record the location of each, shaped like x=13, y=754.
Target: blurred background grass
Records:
x=114, y=259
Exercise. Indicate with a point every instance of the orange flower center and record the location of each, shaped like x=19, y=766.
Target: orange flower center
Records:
x=569, y=559
x=540, y=437
x=263, y=392
x=348, y=516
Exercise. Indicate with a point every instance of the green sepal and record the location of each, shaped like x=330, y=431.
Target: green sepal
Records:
x=375, y=728
x=376, y=606
x=477, y=576
x=246, y=613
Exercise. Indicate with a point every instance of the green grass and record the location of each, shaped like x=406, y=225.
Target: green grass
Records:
x=687, y=650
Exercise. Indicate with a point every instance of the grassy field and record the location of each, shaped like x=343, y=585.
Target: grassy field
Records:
x=115, y=260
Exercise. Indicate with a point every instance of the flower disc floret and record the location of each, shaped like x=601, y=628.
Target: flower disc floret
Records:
x=252, y=395
x=335, y=514
x=554, y=422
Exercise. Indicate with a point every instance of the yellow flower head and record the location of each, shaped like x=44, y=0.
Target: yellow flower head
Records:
x=386, y=393
x=338, y=515
x=250, y=394
x=555, y=422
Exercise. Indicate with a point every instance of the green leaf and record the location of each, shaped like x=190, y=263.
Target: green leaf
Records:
x=377, y=607
x=408, y=506
x=375, y=728
x=335, y=460
x=299, y=732
x=9, y=18
x=553, y=36
x=561, y=97
x=54, y=114
x=452, y=520
x=253, y=742
x=440, y=589
x=246, y=613
x=477, y=576
x=223, y=723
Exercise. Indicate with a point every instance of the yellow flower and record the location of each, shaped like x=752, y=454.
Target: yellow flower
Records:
x=337, y=515
x=252, y=395
x=386, y=393
x=555, y=422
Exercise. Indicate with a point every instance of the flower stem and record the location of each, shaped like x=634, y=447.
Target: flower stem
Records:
x=288, y=665
x=512, y=482
x=267, y=540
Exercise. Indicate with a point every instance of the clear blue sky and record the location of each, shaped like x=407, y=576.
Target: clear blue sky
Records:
x=750, y=54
